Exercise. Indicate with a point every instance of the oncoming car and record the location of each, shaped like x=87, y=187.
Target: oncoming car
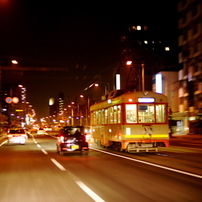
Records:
x=17, y=136
x=72, y=139
x=41, y=131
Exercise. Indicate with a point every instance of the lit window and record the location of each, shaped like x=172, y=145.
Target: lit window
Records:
x=167, y=49
x=119, y=113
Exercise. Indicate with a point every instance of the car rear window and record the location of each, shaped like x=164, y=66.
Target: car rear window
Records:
x=16, y=131
x=70, y=131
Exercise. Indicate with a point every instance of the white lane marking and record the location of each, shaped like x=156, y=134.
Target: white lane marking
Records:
x=44, y=151
x=3, y=142
x=38, y=145
x=92, y=194
x=58, y=165
x=151, y=164
x=34, y=140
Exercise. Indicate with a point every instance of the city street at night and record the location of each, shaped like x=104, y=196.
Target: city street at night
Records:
x=36, y=172
x=101, y=101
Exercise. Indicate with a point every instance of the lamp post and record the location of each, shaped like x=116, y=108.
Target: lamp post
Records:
x=134, y=77
x=143, y=87
x=86, y=104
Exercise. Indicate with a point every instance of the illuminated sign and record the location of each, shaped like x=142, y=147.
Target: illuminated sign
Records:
x=118, y=82
x=159, y=83
x=146, y=99
x=19, y=110
x=9, y=100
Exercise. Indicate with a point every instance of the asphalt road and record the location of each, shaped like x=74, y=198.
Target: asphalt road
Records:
x=36, y=173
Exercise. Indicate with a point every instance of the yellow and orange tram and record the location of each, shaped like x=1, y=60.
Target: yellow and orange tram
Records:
x=132, y=122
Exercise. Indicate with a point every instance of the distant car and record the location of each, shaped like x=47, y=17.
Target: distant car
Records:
x=72, y=139
x=48, y=129
x=41, y=132
x=17, y=136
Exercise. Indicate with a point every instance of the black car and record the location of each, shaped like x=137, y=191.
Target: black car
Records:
x=72, y=139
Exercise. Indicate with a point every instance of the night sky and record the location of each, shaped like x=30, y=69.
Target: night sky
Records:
x=81, y=37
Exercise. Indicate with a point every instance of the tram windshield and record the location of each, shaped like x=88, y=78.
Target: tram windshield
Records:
x=145, y=113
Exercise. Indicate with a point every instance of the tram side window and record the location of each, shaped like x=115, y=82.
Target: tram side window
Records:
x=115, y=114
x=131, y=113
x=102, y=116
x=160, y=113
x=106, y=116
x=99, y=116
x=111, y=113
x=145, y=113
x=94, y=117
x=119, y=113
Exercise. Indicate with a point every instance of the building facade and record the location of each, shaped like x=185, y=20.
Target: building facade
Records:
x=190, y=60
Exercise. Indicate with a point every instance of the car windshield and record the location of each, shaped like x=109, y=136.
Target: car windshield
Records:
x=16, y=131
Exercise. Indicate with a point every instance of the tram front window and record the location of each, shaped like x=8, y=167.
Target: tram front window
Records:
x=146, y=113
x=131, y=113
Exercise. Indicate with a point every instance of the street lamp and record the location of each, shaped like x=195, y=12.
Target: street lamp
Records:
x=106, y=87
x=129, y=62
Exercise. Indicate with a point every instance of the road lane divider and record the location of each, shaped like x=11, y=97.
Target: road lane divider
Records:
x=44, y=151
x=88, y=191
x=58, y=164
x=38, y=145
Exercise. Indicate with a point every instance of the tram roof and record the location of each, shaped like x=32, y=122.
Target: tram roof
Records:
x=124, y=98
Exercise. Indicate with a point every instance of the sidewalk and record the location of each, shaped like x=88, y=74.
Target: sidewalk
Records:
x=192, y=137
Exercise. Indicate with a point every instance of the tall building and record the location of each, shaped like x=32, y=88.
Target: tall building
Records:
x=60, y=102
x=56, y=105
x=148, y=51
x=190, y=60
